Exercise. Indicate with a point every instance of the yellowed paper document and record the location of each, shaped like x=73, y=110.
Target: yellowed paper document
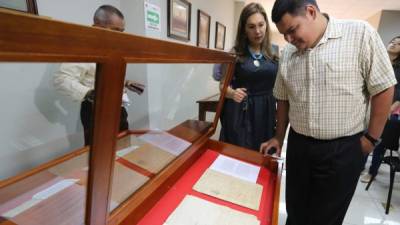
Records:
x=149, y=157
x=65, y=168
x=125, y=182
x=230, y=189
x=196, y=211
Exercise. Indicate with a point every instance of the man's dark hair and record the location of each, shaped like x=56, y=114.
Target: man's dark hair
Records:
x=293, y=7
x=103, y=13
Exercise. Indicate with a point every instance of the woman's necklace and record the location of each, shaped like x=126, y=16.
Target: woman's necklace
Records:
x=256, y=58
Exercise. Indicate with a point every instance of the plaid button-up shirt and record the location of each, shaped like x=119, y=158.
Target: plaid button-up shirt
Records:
x=328, y=87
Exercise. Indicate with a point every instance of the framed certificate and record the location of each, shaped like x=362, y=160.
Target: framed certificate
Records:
x=179, y=12
x=220, y=31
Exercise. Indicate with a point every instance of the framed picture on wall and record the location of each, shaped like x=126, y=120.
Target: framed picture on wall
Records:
x=203, y=29
x=28, y=6
x=220, y=31
x=179, y=12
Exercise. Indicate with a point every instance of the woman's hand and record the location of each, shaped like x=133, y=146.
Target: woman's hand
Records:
x=239, y=94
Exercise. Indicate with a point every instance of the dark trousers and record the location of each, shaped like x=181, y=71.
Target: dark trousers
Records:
x=321, y=177
x=87, y=120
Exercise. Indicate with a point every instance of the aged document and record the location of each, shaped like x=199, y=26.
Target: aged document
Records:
x=65, y=168
x=125, y=182
x=127, y=141
x=125, y=151
x=236, y=168
x=230, y=189
x=75, y=168
x=196, y=211
x=149, y=157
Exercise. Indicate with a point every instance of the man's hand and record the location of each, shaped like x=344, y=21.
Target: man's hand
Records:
x=239, y=94
x=268, y=145
x=366, y=146
x=134, y=86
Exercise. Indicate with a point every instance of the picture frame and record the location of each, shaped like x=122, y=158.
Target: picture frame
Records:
x=27, y=6
x=220, y=33
x=203, y=29
x=179, y=13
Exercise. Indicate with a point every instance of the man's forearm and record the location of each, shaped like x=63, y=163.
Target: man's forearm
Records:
x=380, y=108
x=282, y=117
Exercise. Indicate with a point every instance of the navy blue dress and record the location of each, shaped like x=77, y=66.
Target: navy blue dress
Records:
x=251, y=122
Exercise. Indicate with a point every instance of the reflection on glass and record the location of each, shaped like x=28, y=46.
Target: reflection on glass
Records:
x=39, y=125
x=163, y=121
x=171, y=94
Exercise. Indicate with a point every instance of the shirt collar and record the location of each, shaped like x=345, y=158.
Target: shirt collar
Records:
x=333, y=30
x=256, y=56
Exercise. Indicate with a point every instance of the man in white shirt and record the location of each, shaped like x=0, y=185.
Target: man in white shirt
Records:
x=77, y=80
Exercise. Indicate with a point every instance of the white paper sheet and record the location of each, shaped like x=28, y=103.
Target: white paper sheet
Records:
x=166, y=141
x=21, y=208
x=40, y=196
x=236, y=168
x=125, y=151
x=196, y=211
x=57, y=187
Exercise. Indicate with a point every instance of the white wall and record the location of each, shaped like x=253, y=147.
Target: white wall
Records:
x=165, y=108
x=74, y=11
x=389, y=25
x=38, y=124
x=375, y=19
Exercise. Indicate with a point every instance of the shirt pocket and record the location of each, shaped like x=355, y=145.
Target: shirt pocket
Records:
x=342, y=79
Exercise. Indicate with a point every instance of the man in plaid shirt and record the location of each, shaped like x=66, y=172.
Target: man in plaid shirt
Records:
x=329, y=73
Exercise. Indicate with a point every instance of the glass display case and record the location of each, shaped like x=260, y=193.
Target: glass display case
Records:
x=164, y=169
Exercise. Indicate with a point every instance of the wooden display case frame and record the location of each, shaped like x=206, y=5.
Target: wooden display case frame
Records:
x=25, y=38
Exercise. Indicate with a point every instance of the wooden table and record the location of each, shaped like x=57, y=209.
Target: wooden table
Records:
x=208, y=104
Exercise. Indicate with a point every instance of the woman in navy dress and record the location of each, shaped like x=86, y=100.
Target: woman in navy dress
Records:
x=248, y=115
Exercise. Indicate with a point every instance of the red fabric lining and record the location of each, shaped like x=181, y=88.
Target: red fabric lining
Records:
x=160, y=212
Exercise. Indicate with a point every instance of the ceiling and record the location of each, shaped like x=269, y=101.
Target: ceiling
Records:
x=345, y=9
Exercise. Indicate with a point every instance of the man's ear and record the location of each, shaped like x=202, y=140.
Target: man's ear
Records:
x=311, y=11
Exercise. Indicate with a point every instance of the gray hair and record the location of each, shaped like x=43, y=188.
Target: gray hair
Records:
x=104, y=12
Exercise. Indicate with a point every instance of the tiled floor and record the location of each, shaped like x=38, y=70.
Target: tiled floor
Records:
x=367, y=207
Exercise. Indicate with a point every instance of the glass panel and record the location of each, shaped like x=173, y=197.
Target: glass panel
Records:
x=42, y=142
x=163, y=120
x=15, y=4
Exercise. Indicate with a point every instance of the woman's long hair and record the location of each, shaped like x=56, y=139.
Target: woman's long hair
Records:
x=241, y=43
x=396, y=61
